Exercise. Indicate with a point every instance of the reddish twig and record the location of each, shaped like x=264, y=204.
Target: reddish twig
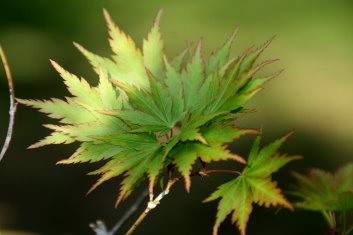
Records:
x=204, y=166
x=13, y=104
x=220, y=171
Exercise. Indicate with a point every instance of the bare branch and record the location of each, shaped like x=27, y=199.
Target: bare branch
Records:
x=13, y=104
x=101, y=229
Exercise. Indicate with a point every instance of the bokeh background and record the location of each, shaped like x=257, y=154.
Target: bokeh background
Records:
x=313, y=96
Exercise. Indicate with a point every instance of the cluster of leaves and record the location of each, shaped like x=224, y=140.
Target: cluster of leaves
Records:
x=324, y=191
x=149, y=115
x=328, y=193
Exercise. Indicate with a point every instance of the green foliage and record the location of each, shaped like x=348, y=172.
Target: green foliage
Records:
x=324, y=191
x=253, y=185
x=150, y=115
x=331, y=194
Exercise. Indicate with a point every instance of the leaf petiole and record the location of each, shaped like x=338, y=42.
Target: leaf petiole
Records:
x=206, y=172
x=328, y=218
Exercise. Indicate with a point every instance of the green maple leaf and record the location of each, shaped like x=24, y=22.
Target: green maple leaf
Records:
x=149, y=112
x=214, y=149
x=153, y=49
x=140, y=155
x=254, y=185
x=324, y=191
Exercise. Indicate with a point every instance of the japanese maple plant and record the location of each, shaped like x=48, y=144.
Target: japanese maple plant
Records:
x=152, y=117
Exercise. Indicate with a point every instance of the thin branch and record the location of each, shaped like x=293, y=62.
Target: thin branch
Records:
x=205, y=172
x=130, y=212
x=13, y=104
x=220, y=171
x=151, y=205
x=101, y=229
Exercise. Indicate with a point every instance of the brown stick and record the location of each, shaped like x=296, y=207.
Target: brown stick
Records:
x=151, y=205
x=13, y=104
x=220, y=171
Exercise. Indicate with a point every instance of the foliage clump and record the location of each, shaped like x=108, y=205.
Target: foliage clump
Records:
x=331, y=194
x=150, y=114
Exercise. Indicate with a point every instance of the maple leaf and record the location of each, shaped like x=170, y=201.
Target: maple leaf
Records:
x=140, y=155
x=216, y=136
x=324, y=191
x=149, y=112
x=153, y=48
x=254, y=185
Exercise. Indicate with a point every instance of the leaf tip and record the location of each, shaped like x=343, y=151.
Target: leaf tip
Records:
x=159, y=15
x=289, y=134
x=32, y=146
x=93, y=187
x=62, y=162
x=119, y=200
x=116, y=82
x=56, y=66
x=106, y=15
x=240, y=159
x=234, y=33
x=78, y=46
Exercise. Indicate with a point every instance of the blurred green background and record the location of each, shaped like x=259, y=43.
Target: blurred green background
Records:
x=313, y=96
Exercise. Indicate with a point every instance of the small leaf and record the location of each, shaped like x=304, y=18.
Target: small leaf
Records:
x=92, y=152
x=128, y=58
x=54, y=138
x=178, y=60
x=220, y=58
x=153, y=48
x=192, y=78
x=108, y=67
x=156, y=164
x=236, y=196
x=83, y=132
x=254, y=185
x=79, y=87
x=251, y=56
x=69, y=112
x=140, y=99
x=192, y=134
x=265, y=153
x=107, y=93
x=175, y=88
x=185, y=158
x=162, y=99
